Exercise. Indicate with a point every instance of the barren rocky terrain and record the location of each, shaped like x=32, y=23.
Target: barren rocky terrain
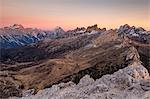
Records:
x=132, y=82
x=95, y=64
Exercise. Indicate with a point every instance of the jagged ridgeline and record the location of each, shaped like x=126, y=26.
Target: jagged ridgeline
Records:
x=33, y=59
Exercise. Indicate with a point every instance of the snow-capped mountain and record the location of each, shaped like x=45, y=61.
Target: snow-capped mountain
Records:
x=132, y=31
x=12, y=41
x=138, y=34
x=17, y=35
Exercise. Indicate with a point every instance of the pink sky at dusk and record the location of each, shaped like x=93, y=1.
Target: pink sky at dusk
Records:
x=69, y=14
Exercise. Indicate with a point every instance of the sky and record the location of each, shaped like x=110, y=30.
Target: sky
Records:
x=69, y=14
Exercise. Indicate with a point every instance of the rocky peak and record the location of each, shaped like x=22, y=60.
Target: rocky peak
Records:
x=135, y=33
x=91, y=28
x=123, y=28
x=79, y=29
x=17, y=26
x=132, y=30
x=58, y=30
x=103, y=29
x=126, y=26
x=140, y=29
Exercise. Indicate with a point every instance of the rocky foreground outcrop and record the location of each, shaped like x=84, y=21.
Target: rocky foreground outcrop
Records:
x=132, y=82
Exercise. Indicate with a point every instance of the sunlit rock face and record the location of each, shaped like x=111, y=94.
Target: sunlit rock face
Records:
x=91, y=28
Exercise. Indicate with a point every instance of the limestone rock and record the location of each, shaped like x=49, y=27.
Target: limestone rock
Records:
x=132, y=82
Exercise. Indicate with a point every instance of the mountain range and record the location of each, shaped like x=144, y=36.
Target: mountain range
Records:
x=90, y=63
x=18, y=36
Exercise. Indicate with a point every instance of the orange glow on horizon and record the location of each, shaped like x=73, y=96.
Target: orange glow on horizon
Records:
x=66, y=25
x=69, y=14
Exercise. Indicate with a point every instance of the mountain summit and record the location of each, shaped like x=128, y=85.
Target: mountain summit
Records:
x=17, y=26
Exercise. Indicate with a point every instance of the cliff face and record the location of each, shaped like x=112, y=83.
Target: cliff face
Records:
x=28, y=70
